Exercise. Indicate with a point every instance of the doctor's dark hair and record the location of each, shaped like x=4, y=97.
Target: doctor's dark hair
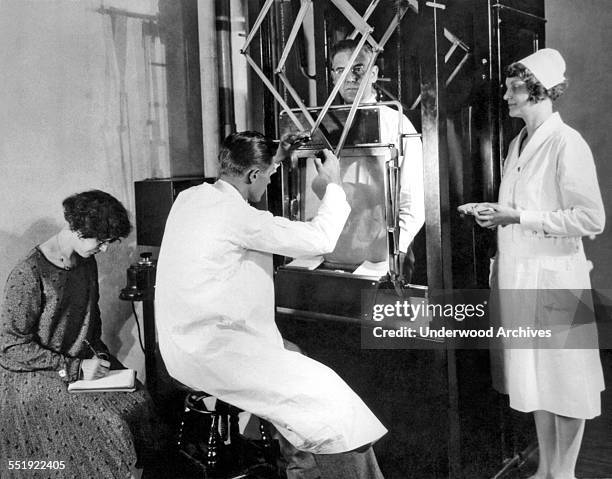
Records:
x=96, y=214
x=536, y=90
x=244, y=150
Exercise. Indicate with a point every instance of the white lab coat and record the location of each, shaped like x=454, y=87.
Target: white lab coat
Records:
x=215, y=316
x=554, y=185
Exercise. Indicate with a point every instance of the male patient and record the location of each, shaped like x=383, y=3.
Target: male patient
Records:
x=411, y=207
x=215, y=307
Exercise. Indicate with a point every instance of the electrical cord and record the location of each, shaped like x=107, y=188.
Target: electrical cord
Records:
x=138, y=326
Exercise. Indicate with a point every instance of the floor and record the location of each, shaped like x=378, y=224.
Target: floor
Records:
x=595, y=460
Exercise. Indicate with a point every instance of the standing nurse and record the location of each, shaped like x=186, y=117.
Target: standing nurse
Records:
x=549, y=199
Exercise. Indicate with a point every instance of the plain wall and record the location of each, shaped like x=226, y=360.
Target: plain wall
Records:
x=581, y=31
x=59, y=134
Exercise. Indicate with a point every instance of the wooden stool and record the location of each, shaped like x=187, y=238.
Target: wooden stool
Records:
x=212, y=452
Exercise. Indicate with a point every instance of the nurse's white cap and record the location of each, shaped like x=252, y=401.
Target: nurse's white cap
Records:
x=547, y=65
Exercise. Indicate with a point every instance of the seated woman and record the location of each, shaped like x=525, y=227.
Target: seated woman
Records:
x=49, y=329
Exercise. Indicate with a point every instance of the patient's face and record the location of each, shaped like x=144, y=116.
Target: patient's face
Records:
x=348, y=90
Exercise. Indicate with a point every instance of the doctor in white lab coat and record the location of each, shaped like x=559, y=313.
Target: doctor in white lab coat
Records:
x=549, y=198
x=215, y=308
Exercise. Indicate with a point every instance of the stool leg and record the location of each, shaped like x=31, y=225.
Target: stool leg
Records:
x=212, y=451
x=179, y=438
x=266, y=438
x=236, y=443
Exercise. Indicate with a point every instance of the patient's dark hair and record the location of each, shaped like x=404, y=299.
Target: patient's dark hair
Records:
x=96, y=214
x=347, y=45
x=536, y=90
x=244, y=150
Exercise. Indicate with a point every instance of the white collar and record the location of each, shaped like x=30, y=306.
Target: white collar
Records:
x=370, y=99
x=228, y=188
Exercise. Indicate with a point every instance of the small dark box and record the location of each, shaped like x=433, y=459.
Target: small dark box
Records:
x=154, y=199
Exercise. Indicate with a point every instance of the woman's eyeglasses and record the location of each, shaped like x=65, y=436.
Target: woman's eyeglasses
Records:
x=105, y=242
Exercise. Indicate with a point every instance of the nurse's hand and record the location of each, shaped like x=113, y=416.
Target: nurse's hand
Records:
x=492, y=215
x=467, y=209
x=329, y=169
x=473, y=209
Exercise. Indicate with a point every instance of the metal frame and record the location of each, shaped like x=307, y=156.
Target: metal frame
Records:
x=391, y=194
x=289, y=176
x=361, y=27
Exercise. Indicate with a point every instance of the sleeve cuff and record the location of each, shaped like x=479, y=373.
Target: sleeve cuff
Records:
x=72, y=367
x=532, y=220
x=334, y=190
x=335, y=195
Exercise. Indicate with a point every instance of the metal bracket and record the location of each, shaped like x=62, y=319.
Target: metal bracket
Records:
x=441, y=6
x=520, y=12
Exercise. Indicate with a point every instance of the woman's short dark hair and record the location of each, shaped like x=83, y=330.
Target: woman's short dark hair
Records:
x=244, y=150
x=96, y=214
x=536, y=90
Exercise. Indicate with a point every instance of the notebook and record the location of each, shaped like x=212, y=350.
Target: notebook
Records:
x=121, y=380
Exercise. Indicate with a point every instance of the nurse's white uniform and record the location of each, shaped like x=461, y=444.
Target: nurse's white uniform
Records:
x=553, y=184
x=215, y=316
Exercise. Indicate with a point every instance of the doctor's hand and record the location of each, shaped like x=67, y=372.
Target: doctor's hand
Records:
x=290, y=142
x=94, y=368
x=492, y=215
x=328, y=168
